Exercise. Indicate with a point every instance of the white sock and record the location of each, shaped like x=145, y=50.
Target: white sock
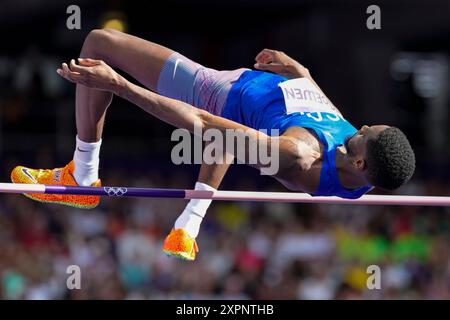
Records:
x=86, y=159
x=195, y=211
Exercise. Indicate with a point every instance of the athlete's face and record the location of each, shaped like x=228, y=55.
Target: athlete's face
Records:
x=356, y=145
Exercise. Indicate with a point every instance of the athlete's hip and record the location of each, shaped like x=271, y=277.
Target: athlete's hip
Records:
x=190, y=82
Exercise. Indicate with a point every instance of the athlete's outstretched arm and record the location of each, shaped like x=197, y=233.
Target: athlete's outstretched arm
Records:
x=98, y=75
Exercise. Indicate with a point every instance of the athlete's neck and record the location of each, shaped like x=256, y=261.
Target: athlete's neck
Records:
x=349, y=177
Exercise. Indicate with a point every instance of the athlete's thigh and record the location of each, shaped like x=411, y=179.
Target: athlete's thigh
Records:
x=165, y=71
x=141, y=59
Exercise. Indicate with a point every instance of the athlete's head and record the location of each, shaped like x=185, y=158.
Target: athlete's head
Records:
x=383, y=154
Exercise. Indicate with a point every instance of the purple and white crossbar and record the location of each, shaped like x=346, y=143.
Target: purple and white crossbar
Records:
x=224, y=195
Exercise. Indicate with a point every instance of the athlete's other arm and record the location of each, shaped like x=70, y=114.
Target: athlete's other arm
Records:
x=209, y=179
x=98, y=75
x=280, y=63
x=213, y=174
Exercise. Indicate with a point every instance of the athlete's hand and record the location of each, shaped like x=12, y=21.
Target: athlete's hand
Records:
x=280, y=63
x=307, y=155
x=295, y=153
x=91, y=73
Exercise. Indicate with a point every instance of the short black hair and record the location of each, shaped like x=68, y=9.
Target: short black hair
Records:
x=390, y=160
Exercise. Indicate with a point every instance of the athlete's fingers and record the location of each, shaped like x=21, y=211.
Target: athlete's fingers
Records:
x=65, y=69
x=67, y=74
x=265, y=56
x=258, y=56
x=89, y=62
x=75, y=76
x=266, y=59
x=86, y=63
x=273, y=67
x=268, y=52
x=261, y=57
x=84, y=79
x=77, y=68
x=64, y=74
x=60, y=72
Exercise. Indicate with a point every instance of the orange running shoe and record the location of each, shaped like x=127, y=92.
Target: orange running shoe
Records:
x=58, y=176
x=180, y=244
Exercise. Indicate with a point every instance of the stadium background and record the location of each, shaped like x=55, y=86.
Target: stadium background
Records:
x=398, y=75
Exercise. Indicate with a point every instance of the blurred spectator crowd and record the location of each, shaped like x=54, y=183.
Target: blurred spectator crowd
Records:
x=247, y=250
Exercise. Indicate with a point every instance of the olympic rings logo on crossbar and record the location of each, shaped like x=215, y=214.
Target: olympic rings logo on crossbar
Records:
x=115, y=191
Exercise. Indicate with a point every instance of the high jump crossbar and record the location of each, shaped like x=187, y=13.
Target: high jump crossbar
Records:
x=224, y=195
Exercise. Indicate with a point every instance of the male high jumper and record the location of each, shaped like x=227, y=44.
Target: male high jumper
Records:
x=320, y=152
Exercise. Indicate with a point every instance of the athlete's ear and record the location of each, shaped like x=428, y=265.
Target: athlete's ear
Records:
x=359, y=164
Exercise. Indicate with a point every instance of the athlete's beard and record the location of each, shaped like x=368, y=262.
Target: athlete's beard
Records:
x=346, y=141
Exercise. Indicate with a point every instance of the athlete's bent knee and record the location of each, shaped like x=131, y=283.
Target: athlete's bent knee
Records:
x=99, y=41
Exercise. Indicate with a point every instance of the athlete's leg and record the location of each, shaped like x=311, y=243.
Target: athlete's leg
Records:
x=141, y=59
x=156, y=67
x=166, y=72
